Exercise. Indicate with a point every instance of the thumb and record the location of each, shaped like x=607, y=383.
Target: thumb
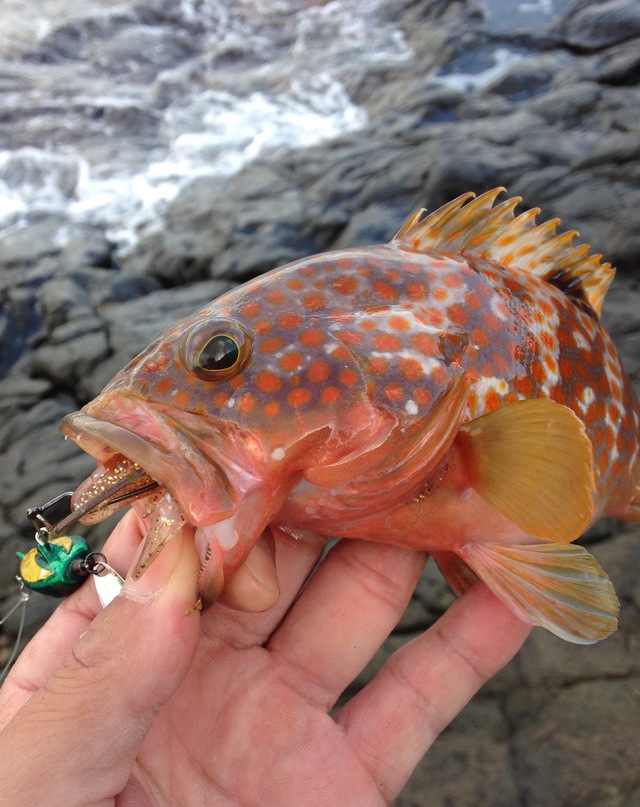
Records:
x=74, y=742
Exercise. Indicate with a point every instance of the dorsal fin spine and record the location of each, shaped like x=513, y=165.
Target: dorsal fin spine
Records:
x=475, y=226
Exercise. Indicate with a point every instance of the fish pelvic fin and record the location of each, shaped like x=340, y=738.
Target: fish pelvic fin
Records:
x=533, y=462
x=475, y=226
x=559, y=587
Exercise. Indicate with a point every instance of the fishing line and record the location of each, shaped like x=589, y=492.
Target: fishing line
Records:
x=23, y=598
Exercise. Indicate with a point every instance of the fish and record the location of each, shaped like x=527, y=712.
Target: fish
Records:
x=453, y=391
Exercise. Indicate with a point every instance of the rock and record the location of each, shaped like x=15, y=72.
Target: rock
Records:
x=581, y=729
x=41, y=235
x=67, y=363
x=595, y=25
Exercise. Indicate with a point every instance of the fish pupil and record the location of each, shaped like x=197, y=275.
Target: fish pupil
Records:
x=220, y=353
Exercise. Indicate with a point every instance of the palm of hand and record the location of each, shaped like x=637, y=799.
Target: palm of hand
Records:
x=233, y=709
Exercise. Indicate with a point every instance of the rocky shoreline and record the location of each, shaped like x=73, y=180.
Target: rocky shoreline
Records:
x=561, y=128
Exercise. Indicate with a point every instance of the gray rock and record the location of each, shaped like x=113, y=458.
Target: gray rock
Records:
x=595, y=25
x=582, y=729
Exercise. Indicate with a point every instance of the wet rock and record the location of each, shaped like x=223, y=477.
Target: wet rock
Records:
x=596, y=25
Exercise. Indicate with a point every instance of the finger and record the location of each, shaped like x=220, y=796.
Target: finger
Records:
x=348, y=609
x=296, y=554
x=53, y=642
x=396, y=718
x=254, y=586
x=89, y=719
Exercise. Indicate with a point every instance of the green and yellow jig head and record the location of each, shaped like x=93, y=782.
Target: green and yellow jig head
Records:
x=60, y=563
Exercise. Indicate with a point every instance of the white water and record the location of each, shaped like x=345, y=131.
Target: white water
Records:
x=284, y=88
x=299, y=101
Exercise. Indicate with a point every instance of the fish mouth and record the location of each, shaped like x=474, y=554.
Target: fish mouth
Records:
x=171, y=469
x=144, y=455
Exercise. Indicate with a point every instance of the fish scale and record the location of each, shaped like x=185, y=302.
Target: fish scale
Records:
x=453, y=390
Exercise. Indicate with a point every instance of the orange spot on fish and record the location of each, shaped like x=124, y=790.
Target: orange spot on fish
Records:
x=537, y=372
x=330, y=395
x=425, y=343
x=263, y=327
x=458, y=314
x=291, y=361
x=164, y=386
x=492, y=400
x=182, y=398
x=398, y=323
x=480, y=337
x=268, y=382
x=345, y=285
x=440, y=294
x=271, y=409
x=394, y=392
x=314, y=302
x=387, y=342
x=295, y=284
x=385, y=291
x=452, y=280
x=246, y=403
x=299, y=397
x=340, y=353
x=289, y=320
x=275, y=297
x=411, y=369
x=472, y=301
x=422, y=397
x=492, y=322
x=312, y=337
x=250, y=309
x=220, y=398
x=416, y=291
x=368, y=325
x=318, y=372
x=349, y=337
x=271, y=345
x=377, y=365
x=348, y=377
x=524, y=385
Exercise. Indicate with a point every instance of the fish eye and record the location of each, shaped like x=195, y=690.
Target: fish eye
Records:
x=216, y=351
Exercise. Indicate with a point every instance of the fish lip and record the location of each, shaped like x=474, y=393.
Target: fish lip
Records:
x=164, y=451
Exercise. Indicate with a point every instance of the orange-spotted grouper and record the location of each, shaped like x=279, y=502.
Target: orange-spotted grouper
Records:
x=452, y=391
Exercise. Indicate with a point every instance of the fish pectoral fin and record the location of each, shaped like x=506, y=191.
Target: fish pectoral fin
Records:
x=533, y=462
x=557, y=586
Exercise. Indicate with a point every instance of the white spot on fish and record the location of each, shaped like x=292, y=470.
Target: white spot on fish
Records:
x=411, y=407
x=277, y=454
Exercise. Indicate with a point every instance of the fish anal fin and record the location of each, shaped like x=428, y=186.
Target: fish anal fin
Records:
x=559, y=587
x=533, y=462
x=474, y=226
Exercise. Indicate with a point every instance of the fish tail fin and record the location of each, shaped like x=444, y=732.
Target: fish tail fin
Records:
x=473, y=225
x=557, y=586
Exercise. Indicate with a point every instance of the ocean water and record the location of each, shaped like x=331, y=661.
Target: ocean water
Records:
x=208, y=86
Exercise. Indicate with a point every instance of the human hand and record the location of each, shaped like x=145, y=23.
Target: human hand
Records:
x=144, y=705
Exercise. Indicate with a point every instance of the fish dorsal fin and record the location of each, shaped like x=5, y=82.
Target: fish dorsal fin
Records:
x=474, y=225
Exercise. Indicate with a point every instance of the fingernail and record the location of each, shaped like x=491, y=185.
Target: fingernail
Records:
x=157, y=574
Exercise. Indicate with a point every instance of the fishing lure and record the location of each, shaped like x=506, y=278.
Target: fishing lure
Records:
x=57, y=566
